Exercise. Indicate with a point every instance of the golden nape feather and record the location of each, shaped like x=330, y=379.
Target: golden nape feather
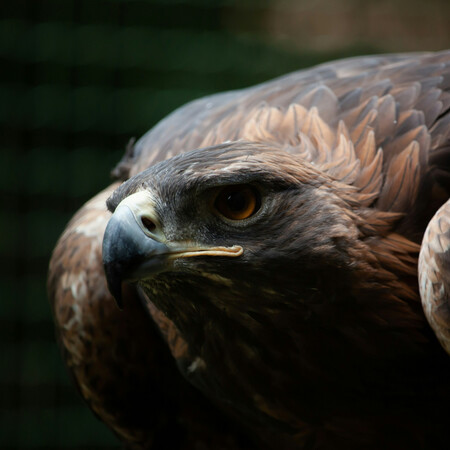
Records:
x=264, y=245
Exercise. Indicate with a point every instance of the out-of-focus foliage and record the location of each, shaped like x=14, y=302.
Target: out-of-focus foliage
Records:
x=80, y=78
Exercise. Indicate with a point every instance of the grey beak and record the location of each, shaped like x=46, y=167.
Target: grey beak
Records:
x=128, y=252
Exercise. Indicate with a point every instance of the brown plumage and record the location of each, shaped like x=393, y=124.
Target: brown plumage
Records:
x=265, y=245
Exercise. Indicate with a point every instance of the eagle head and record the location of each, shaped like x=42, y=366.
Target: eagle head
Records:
x=261, y=262
x=231, y=230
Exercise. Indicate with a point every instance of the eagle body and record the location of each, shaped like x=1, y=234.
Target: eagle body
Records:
x=264, y=246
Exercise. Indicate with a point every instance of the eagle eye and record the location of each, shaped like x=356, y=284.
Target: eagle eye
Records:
x=238, y=202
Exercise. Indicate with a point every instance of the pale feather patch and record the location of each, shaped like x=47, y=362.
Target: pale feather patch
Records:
x=217, y=278
x=363, y=125
x=78, y=286
x=359, y=117
x=370, y=177
x=365, y=148
x=342, y=164
x=419, y=134
x=198, y=363
x=402, y=180
x=90, y=228
x=343, y=130
x=293, y=117
x=313, y=125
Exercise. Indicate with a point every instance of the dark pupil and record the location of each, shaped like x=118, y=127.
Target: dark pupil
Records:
x=237, y=201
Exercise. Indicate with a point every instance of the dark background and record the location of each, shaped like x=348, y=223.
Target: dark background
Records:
x=78, y=79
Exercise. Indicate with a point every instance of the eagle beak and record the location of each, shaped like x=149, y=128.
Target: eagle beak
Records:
x=130, y=252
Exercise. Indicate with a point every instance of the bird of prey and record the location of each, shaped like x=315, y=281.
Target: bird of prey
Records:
x=263, y=247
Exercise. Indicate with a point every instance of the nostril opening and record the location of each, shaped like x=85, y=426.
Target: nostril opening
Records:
x=148, y=224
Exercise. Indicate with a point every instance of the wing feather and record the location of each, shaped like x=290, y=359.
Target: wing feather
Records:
x=434, y=274
x=402, y=180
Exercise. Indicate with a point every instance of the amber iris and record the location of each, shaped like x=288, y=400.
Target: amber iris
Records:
x=238, y=202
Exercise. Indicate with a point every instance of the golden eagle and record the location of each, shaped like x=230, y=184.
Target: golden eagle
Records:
x=264, y=246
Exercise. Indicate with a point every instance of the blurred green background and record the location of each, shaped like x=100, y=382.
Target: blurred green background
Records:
x=79, y=78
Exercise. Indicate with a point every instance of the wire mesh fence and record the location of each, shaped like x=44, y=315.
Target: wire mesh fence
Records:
x=79, y=79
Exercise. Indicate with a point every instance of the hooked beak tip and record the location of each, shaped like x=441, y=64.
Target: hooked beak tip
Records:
x=114, y=281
